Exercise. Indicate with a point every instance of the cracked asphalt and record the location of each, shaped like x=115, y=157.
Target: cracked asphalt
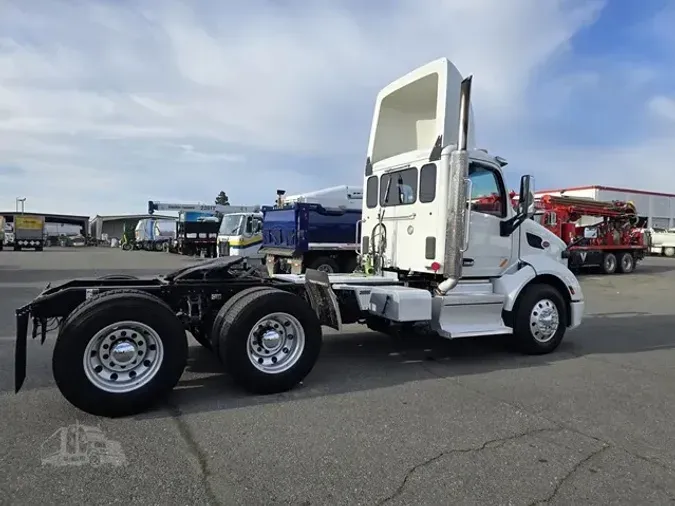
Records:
x=410, y=420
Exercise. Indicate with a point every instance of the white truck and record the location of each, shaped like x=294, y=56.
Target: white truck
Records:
x=436, y=255
x=236, y=232
x=483, y=272
x=661, y=241
x=240, y=234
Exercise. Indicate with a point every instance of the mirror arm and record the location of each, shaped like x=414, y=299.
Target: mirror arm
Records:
x=507, y=227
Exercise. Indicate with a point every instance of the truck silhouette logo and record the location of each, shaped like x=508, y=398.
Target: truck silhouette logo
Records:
x=78, y=444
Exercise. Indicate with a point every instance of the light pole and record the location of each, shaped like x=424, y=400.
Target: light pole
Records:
x=23, y=202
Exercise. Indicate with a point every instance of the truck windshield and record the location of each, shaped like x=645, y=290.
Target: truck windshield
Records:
x=231, y=224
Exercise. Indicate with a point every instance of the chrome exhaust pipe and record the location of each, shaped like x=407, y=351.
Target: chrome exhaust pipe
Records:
x=458, y=212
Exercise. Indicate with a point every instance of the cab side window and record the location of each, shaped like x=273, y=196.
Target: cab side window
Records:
x=257, y=225
x=488, y=195
x=249, y=225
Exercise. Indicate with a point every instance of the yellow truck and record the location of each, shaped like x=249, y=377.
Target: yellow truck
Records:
x=29, y=232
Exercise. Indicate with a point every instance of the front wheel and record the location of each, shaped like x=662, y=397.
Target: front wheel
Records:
x=118, y=354
x=540, y=320
x=269, y=341
x=669, y=252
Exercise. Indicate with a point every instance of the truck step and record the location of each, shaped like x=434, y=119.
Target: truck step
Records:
x=469, y=313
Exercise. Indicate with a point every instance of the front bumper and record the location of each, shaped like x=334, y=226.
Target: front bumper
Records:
x=576, y=313
x=223, y=248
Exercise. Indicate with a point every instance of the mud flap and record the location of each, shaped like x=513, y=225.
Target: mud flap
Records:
x=20, y=350
x=323, y=299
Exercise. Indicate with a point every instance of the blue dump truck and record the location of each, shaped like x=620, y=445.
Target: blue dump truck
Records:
x=318, y=230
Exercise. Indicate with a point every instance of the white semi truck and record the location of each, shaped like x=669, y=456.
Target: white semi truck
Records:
x=431, y=255
x=435, y=256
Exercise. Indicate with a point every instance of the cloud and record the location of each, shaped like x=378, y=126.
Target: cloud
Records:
x=105, y=105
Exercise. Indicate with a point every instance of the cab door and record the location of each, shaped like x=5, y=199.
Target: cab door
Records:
x=488, y=254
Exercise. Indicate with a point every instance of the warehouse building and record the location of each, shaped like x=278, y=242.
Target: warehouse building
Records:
x=654, y=208
x=113, y=226
x=55, y=224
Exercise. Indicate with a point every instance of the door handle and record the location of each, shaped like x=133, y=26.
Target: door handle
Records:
x=467, y=262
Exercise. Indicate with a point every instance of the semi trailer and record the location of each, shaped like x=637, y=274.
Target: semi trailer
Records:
x=29, y=232
x=434, y=261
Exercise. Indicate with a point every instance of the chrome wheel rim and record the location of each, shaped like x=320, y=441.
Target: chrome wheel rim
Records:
x=123, y=357
x=275, y=343
x=544, y=320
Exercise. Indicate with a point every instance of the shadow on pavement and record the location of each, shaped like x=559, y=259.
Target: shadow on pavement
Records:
x=640, y=269
x=364, y=361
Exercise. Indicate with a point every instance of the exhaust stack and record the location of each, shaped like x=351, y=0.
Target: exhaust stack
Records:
x=456, y=230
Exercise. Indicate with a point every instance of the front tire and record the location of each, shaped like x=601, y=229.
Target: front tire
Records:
x=119, y=353
x=540, y=320
x=669, y=252
x=270, y=341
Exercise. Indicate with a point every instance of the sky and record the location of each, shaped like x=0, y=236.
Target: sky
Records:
x=106, y=104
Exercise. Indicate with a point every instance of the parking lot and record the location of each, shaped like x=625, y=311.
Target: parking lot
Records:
x=380, y=420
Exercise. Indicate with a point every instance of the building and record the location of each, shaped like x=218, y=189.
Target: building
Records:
x=655, y=209
x=113, y=226
x=55, y=224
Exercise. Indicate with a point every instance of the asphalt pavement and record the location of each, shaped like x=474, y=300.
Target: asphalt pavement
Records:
x=380, y=420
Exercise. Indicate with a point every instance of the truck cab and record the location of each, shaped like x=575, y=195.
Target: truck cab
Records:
x=240, y=234
x=441, y=241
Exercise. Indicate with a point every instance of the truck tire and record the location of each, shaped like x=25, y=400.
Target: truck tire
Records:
x=669, y=252
x=220, y=316
x=325, y=264
x=270, y=341
x=150, y=346
x=2, y=246
x=609, y=263
x=540, y=320
x=626, y=263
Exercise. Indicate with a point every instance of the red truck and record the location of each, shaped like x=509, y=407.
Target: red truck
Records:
x=612, y=242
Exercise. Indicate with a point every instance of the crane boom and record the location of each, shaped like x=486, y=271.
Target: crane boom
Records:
x=213, y=208
x=581, y=206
